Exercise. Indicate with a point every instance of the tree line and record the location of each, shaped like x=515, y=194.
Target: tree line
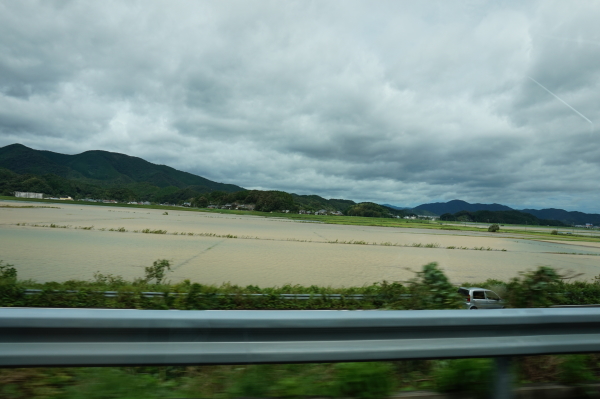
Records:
x=198, y=196
x=54, y=186
x=370, y=209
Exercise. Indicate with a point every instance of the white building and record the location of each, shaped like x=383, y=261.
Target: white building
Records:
x=22, y=194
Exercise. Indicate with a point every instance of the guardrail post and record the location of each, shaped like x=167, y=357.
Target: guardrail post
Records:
x=502, y=378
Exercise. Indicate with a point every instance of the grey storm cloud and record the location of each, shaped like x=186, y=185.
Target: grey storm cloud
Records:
x=399, y=102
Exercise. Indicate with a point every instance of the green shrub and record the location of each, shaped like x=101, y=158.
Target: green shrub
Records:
x=371, y=380
x=554, y=232
x=575, y=369
x=535, y=289
x=254, y=382
x=432, y=290
x=465, y=376
x=494, y=228
x=8, y=274
x=157, y=270
x=101, y=383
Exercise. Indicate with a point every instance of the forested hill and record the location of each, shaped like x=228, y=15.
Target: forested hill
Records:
x=315, y=202
x=102, y=168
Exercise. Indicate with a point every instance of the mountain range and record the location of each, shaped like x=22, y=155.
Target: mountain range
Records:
x=454, y=206
x=102, y=168
x=439, y=208
x=103, y=173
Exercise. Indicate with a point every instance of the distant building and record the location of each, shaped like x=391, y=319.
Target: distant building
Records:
x=22, y=194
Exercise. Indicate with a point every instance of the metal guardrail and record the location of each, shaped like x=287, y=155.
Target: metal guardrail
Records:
x=77, y=337
x=102, y=337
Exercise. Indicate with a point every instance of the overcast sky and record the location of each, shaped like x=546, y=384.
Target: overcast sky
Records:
x=400, y=102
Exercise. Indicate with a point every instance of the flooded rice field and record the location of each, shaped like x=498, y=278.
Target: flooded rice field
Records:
x=212, y=248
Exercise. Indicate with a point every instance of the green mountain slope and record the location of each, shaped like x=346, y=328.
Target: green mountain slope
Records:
x=102, y=168
x=315, y=203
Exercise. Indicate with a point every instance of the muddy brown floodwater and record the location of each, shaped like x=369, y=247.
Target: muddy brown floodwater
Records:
x=266, y=252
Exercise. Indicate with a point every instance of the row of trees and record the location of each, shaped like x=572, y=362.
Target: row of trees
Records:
x=370, y=209
x=264, y=201
x=267, y=201
x=53, y=185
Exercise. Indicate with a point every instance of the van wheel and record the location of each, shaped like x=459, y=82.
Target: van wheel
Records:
x=474, y=307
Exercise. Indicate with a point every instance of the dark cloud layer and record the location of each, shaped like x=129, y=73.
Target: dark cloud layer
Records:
x=401, y=102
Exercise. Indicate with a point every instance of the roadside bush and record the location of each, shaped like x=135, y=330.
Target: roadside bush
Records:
x=10, y=291
x=465, y=377
x=535, y=289
x=100, y=383
x=554, y=232
x=370, y=380
x=8, y=274
x=157, y=270
x=254, y=382
x=431, y=289
x=575, y=369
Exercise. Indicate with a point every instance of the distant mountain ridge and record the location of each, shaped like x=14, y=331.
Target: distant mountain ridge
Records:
x=439, y=208
x=454, y=206
x=102, y=168
x=567, y=217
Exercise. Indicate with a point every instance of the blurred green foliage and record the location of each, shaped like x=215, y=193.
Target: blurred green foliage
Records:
x=472, y=377
x=430, y=289
x=369, y=380
x=575, y=369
